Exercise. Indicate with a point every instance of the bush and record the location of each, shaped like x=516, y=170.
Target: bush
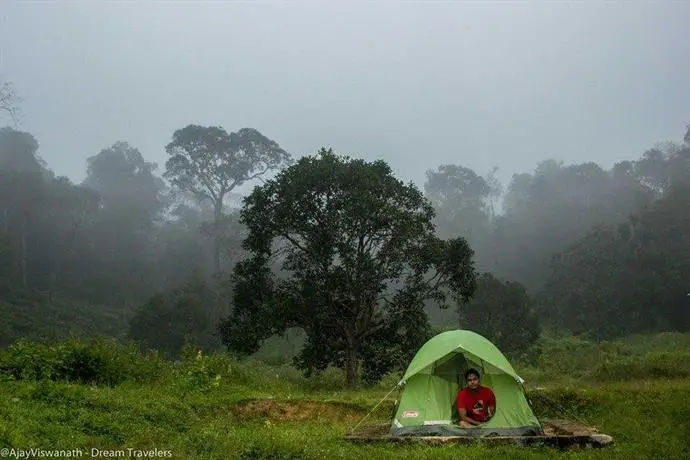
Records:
x=201, y=373
x=653, y=365
x=562, y=402
x=329, y=379
x=94, y=361
x=281, y=349
x=635, y=357
x=166, y=322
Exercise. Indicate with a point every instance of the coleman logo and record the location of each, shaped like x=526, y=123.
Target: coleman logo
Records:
x=410, y=413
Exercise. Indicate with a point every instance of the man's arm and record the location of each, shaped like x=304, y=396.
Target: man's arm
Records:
x=463, y=416
x=491, y=410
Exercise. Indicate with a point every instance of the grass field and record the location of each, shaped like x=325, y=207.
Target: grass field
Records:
x=108, y=397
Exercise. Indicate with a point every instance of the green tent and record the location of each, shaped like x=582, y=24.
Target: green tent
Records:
x=435, y=375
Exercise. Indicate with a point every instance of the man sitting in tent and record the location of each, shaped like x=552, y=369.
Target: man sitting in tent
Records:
x=476, y=404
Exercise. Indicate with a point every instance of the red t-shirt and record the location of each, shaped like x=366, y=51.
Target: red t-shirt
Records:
x=476, y=403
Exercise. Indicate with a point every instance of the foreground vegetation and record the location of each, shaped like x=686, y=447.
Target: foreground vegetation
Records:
x=102, y=395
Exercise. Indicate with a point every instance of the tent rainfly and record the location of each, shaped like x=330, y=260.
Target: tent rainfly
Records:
x=435, y=375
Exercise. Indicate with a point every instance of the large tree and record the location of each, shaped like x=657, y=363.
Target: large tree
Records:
x=126, y=181
x=123, y=231
x=502, y=312
x=465, y=205
x=358, y=254
x=461, y=198
x=210, y=163
x=66, y=210
x=18, y=152
x=22, y=190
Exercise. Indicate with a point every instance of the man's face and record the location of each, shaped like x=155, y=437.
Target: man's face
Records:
x=472, y=381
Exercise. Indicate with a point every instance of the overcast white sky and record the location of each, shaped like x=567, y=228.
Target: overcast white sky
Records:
x=416, y=83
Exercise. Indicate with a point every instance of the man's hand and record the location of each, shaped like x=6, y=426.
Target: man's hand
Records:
x=465, y=418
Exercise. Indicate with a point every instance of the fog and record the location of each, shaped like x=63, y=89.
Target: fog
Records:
x=415, y=83
x=583, y=228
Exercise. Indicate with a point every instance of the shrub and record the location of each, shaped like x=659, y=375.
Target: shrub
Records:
x=166, y=322
x=95, y=361
x=29, y=361
x=201, y=373
x=562, y=402
x=329, y=379
x=653, y=365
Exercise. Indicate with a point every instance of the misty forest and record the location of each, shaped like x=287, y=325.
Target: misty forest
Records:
x=242, y=299
x=336, y=249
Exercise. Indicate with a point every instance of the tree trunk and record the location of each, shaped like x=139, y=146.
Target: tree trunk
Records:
x=218, y=215
x=351, y=365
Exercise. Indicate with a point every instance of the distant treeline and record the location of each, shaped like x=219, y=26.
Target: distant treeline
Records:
x=602, y=252
x=150, y=254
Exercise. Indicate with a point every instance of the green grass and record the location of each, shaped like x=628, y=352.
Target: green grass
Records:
x=570, y=360
x=203, y=409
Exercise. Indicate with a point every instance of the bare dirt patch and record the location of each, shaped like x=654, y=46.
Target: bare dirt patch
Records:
x=297, y=410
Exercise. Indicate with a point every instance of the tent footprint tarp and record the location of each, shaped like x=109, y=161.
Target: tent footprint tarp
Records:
x=435, y=375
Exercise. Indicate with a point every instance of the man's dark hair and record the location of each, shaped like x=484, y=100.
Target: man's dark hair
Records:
x=470, y=372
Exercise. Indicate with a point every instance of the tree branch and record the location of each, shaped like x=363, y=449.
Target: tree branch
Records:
x=296, y=243
x=9, y=102
x=260, y=173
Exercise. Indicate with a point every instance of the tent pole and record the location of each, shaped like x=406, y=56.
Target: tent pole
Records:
x=397, y=403
x=529, y=403
x=372, y=410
